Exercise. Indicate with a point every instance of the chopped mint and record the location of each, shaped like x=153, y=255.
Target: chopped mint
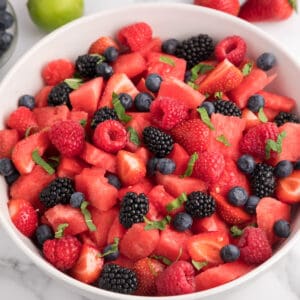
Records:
x=261, y=115
x=198, y=265
x=176, y=203
x=60, y=230
x=205, y=118
x=74, y=83
x=247, y=68
x=87, y=216
x=163, y=259
x=235, y=231
x=113, y=248
x=83, y=122
x=223, y=139
x=200, y=69
x=41, y=162
x=218, y=95
x=274, y=146
x=100, y=57
x=54, y=161
x=293, y=4
x=133, y=136
x=193, y=85
x=119, y=108
x=167, y=60
x=161, y=225
x=189, y=170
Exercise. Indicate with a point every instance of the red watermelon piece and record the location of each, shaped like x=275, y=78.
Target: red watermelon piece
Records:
x=69, y=167
x=180, y=157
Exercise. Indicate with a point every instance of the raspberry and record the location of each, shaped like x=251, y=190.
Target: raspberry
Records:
x=209, y=166
x=177, y=279
x=101, y=44
x=254, y=141
x=57, y=70
x=233, y=48
x=167, y=113
x=110, y=136
x=62, y=253
x=135, y=36
x=254, y=246
x=67, y=137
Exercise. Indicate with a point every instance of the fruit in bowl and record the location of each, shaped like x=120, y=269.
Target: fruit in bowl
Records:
x=154, y=164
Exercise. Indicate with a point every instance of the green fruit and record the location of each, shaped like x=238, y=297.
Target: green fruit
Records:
x=51, y=14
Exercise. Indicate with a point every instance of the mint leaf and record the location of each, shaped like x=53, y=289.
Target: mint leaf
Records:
x=205, y=118
x=101, y=58
x=60, y=230
x=83, y=122
x=218, y=95
x=261, y=115
x=274, y=146
x=293, y=4
x=54, y=161
x=161, y=225
x=41, y=162
x=113, y=248
x=119, y=108
x=74, y=83
x=133, y=136
x=87, y=216
x=189, y=170
x=163, y=259
x=177, y=202
x=193, y=85
x=235, y=231
x=223, y=139
x=247, y=68
x=200, y=69
x=167, y=60
x=198, y=265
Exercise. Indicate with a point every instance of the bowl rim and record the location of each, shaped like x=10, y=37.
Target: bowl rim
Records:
x=85, y=288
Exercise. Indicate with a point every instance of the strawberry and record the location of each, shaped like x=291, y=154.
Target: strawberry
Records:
x=62, y=253
x=23, y=216
x=8, y=139
x=191, y=135
x=288, y=189
x=228, y=6
x=135, y=36
x=57, y=70
x=101, y=44
x=223, y=78
x=267, y=10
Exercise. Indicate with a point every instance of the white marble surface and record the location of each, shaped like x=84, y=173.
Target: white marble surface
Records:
x=20, y=279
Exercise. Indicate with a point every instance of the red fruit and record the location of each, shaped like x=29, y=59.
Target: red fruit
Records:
x=101, y=44
x=153, y=46
x=139, y=243
x=205, y=247
x=67, y=137
x=223, y=78
x=167, y=112
x=69, y=167
x=267, y=10
x=233, y=48
x=211, y=223
x=228, y=6
x=209, y=166
x=192, y=135
x=221, y=274
x=135, y=36
x=116, y=230
x=89, y=265
x=288, y=189
x=139, y=120
x=250, y=118
x=23, y=216
x=8, y=139
x=177, y=279
x=110, y=136
x=255, y=140
x=62, y=253
x=41, y=98
x=144, y=186
x=180, y=157
x=254, y=246
x=143, y=153
x=57, y=70
x=147, y=269
x=21, y=119
x=78, y=116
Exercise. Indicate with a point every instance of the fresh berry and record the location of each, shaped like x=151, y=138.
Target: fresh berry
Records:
x=152, y=166
x=182, y=221
x=67, y=137
x=227, y=108
x=3, y=5
x=266, y=61
x=157, y=141
x=104, y=70
x=10, y=179
x=6, y=167
x=228, y=6
x=169, y=46
x=297, y=165
x=118, y=279
x=233, y=48
x=110, y=252
x=85, y=65
x=133, y=209
x=110, y=136
x=254, y=246
x=114, y=180
x=282, y=229
x=43, y=233
x=256, y=102
x=251, y=204
x=237, y=196
x=77, y=199
x=59, y=95
x=57, y=71
x=287, y=189
x=143, y=101
x=103, y=114
x=126, y=100
x=27, y=101
x=165, y=166
x=230, y=253
x=62, y=253
x=283, y=169
x=101, y=44
x=58, y=191
x=153, y=82
x=177, y=279
x=195, y=49
x=111, y=54
x=209, y=106
x=284, y=117
x=6, y=39
x=246, y=164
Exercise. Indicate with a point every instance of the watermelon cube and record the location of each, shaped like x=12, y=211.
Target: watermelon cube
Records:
x=180, y=157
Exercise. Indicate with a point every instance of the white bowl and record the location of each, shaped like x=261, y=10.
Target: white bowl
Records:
x=167, y=20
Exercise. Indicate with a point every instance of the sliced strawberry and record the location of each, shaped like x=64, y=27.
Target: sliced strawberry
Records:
x=8, y=139
x=211, y=223
x=69, y=167
x=180, y=157
x=288, y=189
x=41, y=98
x=101, y=44
x=231, y=7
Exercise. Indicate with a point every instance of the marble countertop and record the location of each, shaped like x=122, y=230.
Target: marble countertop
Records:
x=21, y=279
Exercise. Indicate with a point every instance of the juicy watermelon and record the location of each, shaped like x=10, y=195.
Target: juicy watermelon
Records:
x=69, y=167
x=180, y=157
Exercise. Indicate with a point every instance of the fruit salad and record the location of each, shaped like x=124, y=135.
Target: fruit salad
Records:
x=154, y=167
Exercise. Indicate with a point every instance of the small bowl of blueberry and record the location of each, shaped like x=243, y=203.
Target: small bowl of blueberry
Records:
x=8, y=31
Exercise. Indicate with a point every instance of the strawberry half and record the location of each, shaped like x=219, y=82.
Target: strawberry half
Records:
x=288, y=189
x=228, y=6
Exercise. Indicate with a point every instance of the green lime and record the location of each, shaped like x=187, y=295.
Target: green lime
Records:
x=51, y=14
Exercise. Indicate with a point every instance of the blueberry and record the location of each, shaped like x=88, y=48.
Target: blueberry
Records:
x=282, y=228
x=153, y=82
x=111, y=256
x=266, y=61
x=209, y=106
x=166, y=166
x=237, y=196
x=246, y=164
x=5, y=40
x=104, y=70
x=169, y=46
x=10, y=179
x=283, y=169
x=182, y=221
x=297, y=165
x=3, y=4
x=114, y=180
x=256, y=102
x=76, y=199
x=230, y=253
x=152, y=166
x=43, y=233
x=27, y=101
x=187, y=76
x=111, y=54
x=6, y=167
x=251, y=204
x=126, y=100
x=143, y=101
x=6, y=19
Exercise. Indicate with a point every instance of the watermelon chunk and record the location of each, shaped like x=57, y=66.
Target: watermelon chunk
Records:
x=117, y=230
x=144, y=186
x=211, y=223
x=41, y=97
x=180, y=157
x=69, y=167
x=8, y=139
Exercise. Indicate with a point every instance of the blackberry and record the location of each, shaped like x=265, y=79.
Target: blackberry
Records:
x=118, y=279
x=157, y=141
x=200, y=205
x=60, y=95
x=284, y=117
x=103, y=114
x=195, y=49
x=86, y=64
x=59, y=191
x=133, y=209
x=227, y=108
x=263, y=180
